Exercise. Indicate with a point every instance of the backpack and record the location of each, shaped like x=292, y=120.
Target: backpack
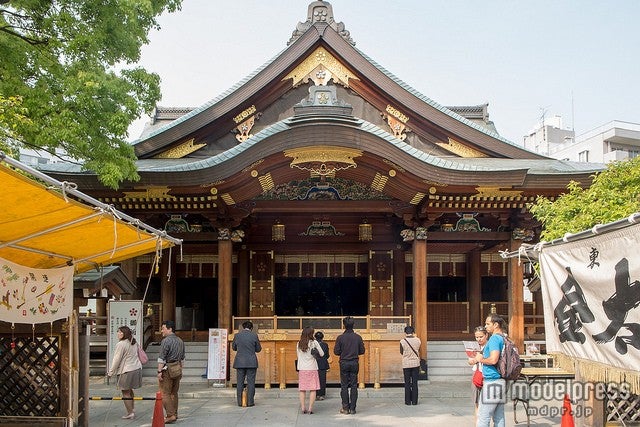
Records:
x=509, y=365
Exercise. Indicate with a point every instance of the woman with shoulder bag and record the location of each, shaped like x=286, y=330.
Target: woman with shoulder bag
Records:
x=410, y=351
x=128, y=367
x=308, y=379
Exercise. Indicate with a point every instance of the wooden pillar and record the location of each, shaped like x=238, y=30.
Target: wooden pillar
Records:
x=225, y=296
x=420, y=289
x=516, y=299
x=168, y=286
x=474, y=288
x=399, y=283
x=243, y=283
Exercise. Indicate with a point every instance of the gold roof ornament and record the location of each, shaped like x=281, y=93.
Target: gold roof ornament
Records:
x=323, y=160
x=180, y=151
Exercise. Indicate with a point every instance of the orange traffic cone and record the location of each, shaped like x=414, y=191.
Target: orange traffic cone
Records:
x=567, y=413
x=158, y=412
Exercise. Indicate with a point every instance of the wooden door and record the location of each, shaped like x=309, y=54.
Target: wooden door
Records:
x=261, y=294
x=381, y=283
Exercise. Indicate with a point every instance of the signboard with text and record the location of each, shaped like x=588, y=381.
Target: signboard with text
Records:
x=217, y=362
x=122, y=313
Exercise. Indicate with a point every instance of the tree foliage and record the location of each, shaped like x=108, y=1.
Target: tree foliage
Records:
x=65, y=81
x=613, y=195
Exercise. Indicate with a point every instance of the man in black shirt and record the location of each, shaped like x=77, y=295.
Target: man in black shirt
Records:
x=349, y=346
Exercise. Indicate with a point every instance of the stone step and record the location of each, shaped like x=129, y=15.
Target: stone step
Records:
x=447, y=361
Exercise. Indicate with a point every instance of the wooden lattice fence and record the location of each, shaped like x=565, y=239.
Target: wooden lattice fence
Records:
x=623, y=408
x=30, y=376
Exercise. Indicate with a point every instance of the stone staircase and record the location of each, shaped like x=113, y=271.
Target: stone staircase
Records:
x=195, y=364
x=447, y=362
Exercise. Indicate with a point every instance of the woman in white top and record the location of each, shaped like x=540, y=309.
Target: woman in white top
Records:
x=128, y=367
x=308, y=379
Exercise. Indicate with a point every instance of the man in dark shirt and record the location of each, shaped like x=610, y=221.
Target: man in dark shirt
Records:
x=349, y=346
x=170, y=362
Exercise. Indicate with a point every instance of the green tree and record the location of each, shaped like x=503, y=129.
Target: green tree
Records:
x=65, y=82
x=613, y=195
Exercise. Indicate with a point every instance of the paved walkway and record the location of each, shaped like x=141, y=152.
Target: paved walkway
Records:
x=440, y=404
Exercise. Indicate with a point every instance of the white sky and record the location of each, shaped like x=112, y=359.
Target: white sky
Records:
x=579, y=59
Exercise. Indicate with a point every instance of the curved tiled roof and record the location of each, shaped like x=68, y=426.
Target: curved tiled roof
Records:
x=534, y=166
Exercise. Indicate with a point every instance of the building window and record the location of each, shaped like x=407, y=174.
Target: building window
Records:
x=583, y=156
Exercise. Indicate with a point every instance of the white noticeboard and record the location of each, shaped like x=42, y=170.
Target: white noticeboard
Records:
x=122, y=313
x=217, y=363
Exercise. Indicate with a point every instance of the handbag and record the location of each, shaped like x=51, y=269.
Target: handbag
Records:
x=174, y=370
x=422, y=373
x=477, y=378
x=296, y=363
x=142, y=355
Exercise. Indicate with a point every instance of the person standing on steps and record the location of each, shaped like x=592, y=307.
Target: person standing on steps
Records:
x=170, y=363
x=410, y=351
x=349, y=346
x=247, y=344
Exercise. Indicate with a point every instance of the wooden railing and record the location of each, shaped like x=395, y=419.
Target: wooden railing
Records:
x=284, y=324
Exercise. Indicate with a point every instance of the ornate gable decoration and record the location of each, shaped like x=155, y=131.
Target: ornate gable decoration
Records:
x=320, y=67
x=323, y=160
x=180, y=151
x=320, y=12
x=460, y=149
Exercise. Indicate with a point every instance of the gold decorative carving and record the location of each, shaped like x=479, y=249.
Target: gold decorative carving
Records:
x=266, y=181
x=227, y=199
x=323, y=160
x=496, y=192
x=397, y=122
x=245, y=114
x=417, y=198
x=254, y=173
x=460, y=149
x=180, y=151
x=379, y=181
x=397, y=114
x=148, y=193
x=320, y=66
x=392, y=173
x=244, y=129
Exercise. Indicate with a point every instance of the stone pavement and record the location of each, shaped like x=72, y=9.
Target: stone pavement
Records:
x=439, y=404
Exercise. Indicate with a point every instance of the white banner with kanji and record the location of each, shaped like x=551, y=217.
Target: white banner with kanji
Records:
x=591, y=296
x=34, y=295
